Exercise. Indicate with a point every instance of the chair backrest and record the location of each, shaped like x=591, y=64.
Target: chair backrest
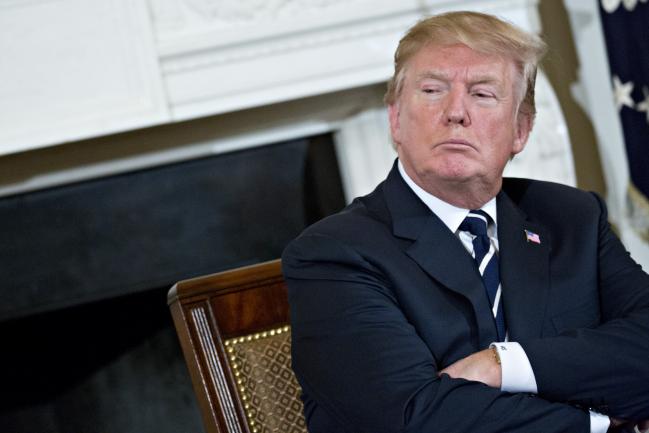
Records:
x=234, y=331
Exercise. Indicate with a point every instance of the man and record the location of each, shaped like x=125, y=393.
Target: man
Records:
x=397, y=300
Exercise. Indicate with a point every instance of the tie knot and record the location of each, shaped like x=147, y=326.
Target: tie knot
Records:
x=476, y=223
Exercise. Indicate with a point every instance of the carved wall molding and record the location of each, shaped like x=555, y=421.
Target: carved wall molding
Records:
x=178, y=18
x=252, y=50
x=210, y=69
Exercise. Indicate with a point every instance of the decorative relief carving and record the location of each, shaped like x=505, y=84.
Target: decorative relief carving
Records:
x=179, y=18
x=233, y=11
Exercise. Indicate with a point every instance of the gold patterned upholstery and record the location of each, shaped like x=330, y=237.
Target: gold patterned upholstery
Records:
x=261, y=363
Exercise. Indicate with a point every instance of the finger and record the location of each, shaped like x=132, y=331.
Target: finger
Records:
x=642, y=426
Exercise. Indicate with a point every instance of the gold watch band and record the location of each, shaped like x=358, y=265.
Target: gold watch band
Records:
x=496, y=355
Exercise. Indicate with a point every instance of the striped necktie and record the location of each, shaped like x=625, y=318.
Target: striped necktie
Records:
x=487, y=260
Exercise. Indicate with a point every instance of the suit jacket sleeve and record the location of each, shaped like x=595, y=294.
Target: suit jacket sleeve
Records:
x=364, y=365
x=605, y=366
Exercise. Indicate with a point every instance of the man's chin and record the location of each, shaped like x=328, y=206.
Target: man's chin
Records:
x=466, y=178
x=458, y=175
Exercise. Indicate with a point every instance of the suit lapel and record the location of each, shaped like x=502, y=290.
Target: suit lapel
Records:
x=438, y=251
x=445, y=259
x=524, y=271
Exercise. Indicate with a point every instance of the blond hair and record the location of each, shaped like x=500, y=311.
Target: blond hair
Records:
x=480, y=32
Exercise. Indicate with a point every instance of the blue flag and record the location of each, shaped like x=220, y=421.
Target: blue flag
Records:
x=626, y=30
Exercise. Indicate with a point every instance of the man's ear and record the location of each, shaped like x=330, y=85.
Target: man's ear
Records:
x=393, y=116
x=524, y=122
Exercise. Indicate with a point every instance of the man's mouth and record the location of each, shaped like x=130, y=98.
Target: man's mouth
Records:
x=456, y=143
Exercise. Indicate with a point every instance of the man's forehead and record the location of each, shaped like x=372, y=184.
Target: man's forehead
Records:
x=447, y=61
x=451, y=49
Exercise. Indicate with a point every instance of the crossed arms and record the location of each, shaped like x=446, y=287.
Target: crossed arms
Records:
x=367, y=366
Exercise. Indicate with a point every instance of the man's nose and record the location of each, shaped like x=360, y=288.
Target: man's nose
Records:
x=456, y=112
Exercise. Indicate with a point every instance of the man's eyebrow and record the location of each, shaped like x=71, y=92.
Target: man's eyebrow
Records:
x=473, y=80
x=435, y=75
x=484, y=79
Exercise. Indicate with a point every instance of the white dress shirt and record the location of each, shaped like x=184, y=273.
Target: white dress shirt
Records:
x=517, y=373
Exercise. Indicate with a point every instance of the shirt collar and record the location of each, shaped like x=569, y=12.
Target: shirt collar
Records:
x=450, y=215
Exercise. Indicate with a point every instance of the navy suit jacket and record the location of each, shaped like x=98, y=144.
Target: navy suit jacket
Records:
x=383, y=296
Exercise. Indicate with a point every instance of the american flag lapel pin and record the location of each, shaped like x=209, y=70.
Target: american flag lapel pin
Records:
x=532, y=237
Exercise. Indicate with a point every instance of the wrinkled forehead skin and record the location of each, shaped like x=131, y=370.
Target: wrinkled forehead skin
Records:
x=519, y=85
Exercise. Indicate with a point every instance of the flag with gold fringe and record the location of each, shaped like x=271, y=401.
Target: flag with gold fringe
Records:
x=626, y=30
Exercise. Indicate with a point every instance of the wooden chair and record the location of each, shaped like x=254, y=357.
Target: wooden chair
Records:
x=234, y=331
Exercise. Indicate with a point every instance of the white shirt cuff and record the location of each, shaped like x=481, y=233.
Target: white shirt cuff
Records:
x=517, y=374
x=598, y=423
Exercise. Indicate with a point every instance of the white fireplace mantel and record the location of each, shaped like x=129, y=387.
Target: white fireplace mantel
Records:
x=75, y=69
x=263, y=70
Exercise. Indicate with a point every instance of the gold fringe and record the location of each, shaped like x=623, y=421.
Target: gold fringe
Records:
x=638, y=206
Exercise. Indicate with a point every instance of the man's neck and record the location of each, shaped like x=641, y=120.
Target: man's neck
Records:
x=466, y=195
x=451, y=215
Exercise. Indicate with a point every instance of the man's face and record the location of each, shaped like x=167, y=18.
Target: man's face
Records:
x=455, y=121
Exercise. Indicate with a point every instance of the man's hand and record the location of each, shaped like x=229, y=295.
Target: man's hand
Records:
x=481, y=366
x=620, y=425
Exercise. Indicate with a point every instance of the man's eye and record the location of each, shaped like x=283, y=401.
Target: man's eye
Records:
x=429, y=90
x=482, y=95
